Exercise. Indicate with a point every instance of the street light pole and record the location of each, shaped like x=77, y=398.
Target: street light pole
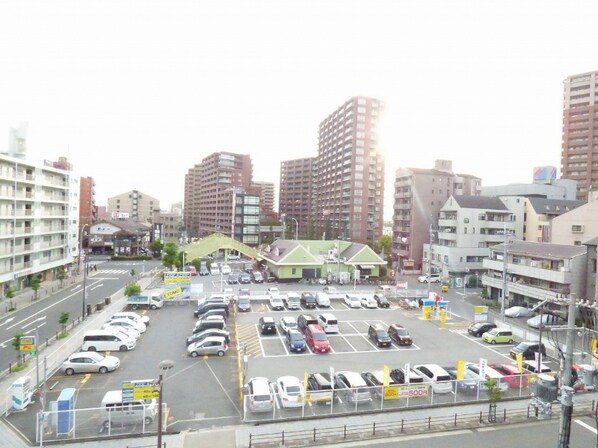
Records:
x=429, y=270
x=164, y=366
x=296, y=228
x=566, y=389
x=504, y=273
x=84, y=272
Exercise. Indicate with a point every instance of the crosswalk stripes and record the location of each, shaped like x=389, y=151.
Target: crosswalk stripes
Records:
x=459, y=330
x=113, y=271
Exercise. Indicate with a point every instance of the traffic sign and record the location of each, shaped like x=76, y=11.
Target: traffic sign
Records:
x=27, y=343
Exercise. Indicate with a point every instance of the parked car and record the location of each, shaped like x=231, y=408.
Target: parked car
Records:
x=328, y=322
x=479, y=328
x=293, y=301
x=379, y=335
x=322, y=299
x=330, y=289
x=528, y=350
x=133, y=316
x=304, y=320
x=398, y=375
x=203, y=271
x=267, y=325
x=125, y=327
x=498, y=336
x=222, y=311
x=290, y=392
x=511, y=374
x=352, y=301
x=375, y=380
x=489, y=374
x=244, y=278
x=234, y=257
x=248, y=268
x=272, y=291
x=368, y=302
x=243, y=304
x=381, y=301
x=225, y=269
x=257, y=277
x=208, y=306
x=196, y=337
x=518, y=311
x=214, y=269
x=532, y=367
x=400, y=335
x=308, y=300
x=276, y=303
x=320, y=388
x=259, y=395
x=233, y=279
x=469, y=383
x=352, y=386
x=316, y=339
x=295, y=340
x=287, y=323
x=210, y=322
x=545, y=320
x=128, y=323
x=212, y=345
x=89, y=362
x=435, y=375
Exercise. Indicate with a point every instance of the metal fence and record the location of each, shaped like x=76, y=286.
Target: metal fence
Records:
x=319, y=436
x=397, y=397
x=80, y=424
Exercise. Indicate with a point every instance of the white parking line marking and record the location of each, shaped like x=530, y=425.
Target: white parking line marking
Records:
x=585, y=425
x=260, y=340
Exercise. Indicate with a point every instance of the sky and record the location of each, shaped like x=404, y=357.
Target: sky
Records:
x=135, y=93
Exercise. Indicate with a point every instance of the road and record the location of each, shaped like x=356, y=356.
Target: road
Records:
x=43, y=315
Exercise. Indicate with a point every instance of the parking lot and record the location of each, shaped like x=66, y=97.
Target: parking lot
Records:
x=205, y=392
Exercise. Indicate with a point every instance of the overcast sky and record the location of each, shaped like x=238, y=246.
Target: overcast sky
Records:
x=137, y=92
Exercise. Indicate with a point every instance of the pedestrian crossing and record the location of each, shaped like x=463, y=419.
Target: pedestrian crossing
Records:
x=113, y=271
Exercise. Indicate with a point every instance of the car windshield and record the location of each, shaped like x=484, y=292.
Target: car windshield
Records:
x=295, y=337
x=402, y=332
x=290, y=323
x=320, y=337
x=382, y=333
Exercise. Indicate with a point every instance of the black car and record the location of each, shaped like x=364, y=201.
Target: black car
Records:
x=376, y=381
x=308, y=300
x=381, y=300
x=379, y=335
x=399, y=334
x=304, y=320
x=244, y=278
x=528, y=350
x=398, y=375
x=248, y=268
x=233, y=279
x=208, y=306
x=207, y=333
x=215, y=312
x=243, y=303
x=479, y=328
x=320, y=388
x=267, y=325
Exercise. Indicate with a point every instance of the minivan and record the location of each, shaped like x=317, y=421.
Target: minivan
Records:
x=293, y=301
x=210, y=323
x=214, y=269
x=328, y=323
x=528, y=350
x=117, y=412
x=353, y=387
x=109, y=340
x=317, y=339
x=498, y=336
x=440, y=379
x=379, y=335
x=259, y=396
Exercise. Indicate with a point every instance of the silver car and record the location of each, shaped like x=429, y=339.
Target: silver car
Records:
x=212, y=345
x=89, y=362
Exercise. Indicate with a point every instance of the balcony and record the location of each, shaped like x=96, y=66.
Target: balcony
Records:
x=523, y=289
x=561, y=277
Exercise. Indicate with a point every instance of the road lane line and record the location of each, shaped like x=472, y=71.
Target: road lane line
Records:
x=586, y=426
x=32, y=323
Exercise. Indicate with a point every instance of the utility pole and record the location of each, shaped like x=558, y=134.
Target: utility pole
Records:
x=566, y=389
x=429, y=270
x=504, y=274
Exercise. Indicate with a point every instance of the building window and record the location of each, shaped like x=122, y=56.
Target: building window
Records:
x=465, y=230
x=293, y=271
x=577, y=243
x=466, y=220
x=577, y=228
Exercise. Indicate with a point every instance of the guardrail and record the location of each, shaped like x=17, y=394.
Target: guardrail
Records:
x=320, y=436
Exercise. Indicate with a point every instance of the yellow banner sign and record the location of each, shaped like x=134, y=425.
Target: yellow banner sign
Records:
x=172, y=293
x=519, y=357
x=460, y=369
x=391, y=392
x=386, y=379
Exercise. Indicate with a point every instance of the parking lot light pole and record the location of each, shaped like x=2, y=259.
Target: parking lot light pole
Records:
x=164, y=366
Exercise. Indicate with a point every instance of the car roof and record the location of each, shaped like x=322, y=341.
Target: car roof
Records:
x=288, y=319
x=289, y=379
x=267, y=319
x=220, y=339
x=308, y=316
x=328, y=316
x=315, y=328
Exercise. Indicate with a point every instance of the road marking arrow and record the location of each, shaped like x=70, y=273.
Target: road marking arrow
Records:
x=7, y=321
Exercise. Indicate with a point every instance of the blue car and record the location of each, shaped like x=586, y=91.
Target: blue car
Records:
x=295, y=341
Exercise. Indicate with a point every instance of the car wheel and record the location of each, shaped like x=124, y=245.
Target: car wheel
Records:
x=91, y=349
x=69, y=371
x=194, y=354
x=493, y=342
x=148, y=420
x=106, y=424
x=221, y=353
x=511, y=341
x=123, y=348
x=103, y=369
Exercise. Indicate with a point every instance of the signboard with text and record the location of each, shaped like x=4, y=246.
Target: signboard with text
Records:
x=27, y=343
x=140, y=390
x=177, y=277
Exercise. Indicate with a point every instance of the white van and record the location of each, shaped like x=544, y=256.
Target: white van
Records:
x=115, y=412
x=110, y=340
x=328, y=322
x=293, y=301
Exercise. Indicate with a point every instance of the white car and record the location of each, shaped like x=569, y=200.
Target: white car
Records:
x=352, y=301
x=330, y=289
x=276, y=303
x=272, y=291
x=369, y=302
x=290, y=392
x=434, y=278
x=225, y=269
x=436, y=376
x=127, y=324
x=547, y=321
x=288, y=323
x=133, y=316
x=234, y=257
x=129, y=331
x=490, y=374
x=322, y=299
x=518, y=311
x=89, y=362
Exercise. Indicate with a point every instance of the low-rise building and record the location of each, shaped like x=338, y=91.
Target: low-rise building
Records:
x=122, y=237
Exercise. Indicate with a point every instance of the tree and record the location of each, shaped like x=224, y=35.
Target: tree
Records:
x=16, y=343
x=62, y=320
x=495, y=395
x=132, y=289
x=36, y=283
x=156, y=247
x=10, y=293
x=196, y=263
x=169, y=258
x=61, y=274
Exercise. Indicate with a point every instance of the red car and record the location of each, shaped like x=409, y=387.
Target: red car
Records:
x=511, y=374
x=316, y=339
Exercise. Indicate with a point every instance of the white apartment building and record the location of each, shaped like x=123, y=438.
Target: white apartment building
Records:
x=577, y=226
x=38, y=220
x=467, y=227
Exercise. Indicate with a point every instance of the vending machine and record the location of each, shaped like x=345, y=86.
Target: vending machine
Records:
x=20, y=393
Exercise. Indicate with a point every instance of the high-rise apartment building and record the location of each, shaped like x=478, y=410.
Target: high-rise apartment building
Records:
x=133, y=205
x=419, y=195
x=209, y=192
x=38, y=220
x=297, y=186
x=88, y=211
x=349, y=194
x=266, y=193
x=579, y=156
